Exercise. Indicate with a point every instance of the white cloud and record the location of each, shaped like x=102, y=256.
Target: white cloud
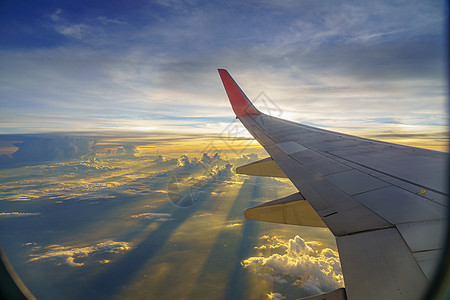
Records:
x=77, y=31
x=106, y=20
x=66, y=28
x=302, y=264
x=56, y=15
x=75, y=256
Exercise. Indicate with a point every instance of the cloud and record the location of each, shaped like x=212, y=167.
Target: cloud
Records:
x=91, y=175
x=275, y=296
x=184, y=161
x=224, y=173
x=130, y=149
x=17, y=214
x=56, y=16
x=107, y=21
x=213, y=166
x=302, y=264
x=75, y=145
x=68, y=29
x=245, y=159
x=158, y=217
x=86, y=166
x=38, y=148
x=233, y=225
x=124, y=150
x=94, y=177
x=213, y=159
x=202, y=215
x=77, y=31
x=77, y=256
x=272, y=242
x=165, y=160
x=194, y=177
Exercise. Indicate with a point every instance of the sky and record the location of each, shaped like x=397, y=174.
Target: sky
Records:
x=372, y=68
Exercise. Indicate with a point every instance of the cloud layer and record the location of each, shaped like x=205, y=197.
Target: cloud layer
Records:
x=110, y=211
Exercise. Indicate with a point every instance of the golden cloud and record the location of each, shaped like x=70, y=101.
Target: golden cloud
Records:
x=302, y=264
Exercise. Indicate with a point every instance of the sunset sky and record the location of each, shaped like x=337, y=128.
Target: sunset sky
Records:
x=374, y=68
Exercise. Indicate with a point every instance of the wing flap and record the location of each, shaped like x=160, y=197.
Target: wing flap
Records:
x=265, y=167
x=293, y=210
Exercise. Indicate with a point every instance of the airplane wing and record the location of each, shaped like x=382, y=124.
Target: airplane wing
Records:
x=386, y=204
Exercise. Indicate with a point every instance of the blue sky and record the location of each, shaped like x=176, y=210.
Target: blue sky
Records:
x=151, y=65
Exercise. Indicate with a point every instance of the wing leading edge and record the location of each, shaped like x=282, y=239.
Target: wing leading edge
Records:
x=385, y=203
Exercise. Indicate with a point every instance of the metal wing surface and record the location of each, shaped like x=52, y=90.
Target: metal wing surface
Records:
x=386, y=204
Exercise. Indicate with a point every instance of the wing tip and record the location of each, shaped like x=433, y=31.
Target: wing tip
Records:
x=241, y=105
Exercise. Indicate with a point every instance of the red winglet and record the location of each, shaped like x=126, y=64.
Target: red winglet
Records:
x=239, y=102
